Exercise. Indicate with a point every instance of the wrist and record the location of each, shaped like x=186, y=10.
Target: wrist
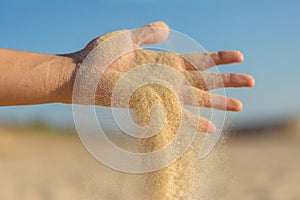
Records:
x=66, y=74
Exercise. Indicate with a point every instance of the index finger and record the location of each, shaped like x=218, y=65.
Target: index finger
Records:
x=202, y=61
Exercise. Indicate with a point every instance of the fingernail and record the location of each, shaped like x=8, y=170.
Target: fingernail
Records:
x=212, y=129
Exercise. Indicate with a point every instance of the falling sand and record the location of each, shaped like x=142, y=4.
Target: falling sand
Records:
x=176, y=180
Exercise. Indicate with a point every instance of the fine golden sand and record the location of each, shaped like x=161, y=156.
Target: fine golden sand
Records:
x=176, y=180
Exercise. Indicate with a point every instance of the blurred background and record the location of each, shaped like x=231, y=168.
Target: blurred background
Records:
x=41, y=156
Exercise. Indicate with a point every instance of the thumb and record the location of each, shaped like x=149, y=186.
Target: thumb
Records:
x=151, y=33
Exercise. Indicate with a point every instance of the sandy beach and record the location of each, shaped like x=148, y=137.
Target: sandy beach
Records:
x=44, y=165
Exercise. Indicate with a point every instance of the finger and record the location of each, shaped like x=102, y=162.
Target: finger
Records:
x=206, y=99
x=234, y=80
x=202, y=61
x=226, y=57
x=199, y=123
x=209, y=81
x=150, y=34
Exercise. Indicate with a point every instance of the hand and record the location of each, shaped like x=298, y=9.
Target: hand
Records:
x=185, y=64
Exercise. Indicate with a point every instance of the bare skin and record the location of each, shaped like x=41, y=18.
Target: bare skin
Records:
x=33, y=78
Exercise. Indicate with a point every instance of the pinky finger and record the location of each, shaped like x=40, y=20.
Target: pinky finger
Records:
x=199, y=123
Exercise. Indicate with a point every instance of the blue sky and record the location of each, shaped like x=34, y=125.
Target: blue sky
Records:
x=267, y=32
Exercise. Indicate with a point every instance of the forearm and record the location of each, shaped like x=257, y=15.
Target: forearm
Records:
x=32, y=78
